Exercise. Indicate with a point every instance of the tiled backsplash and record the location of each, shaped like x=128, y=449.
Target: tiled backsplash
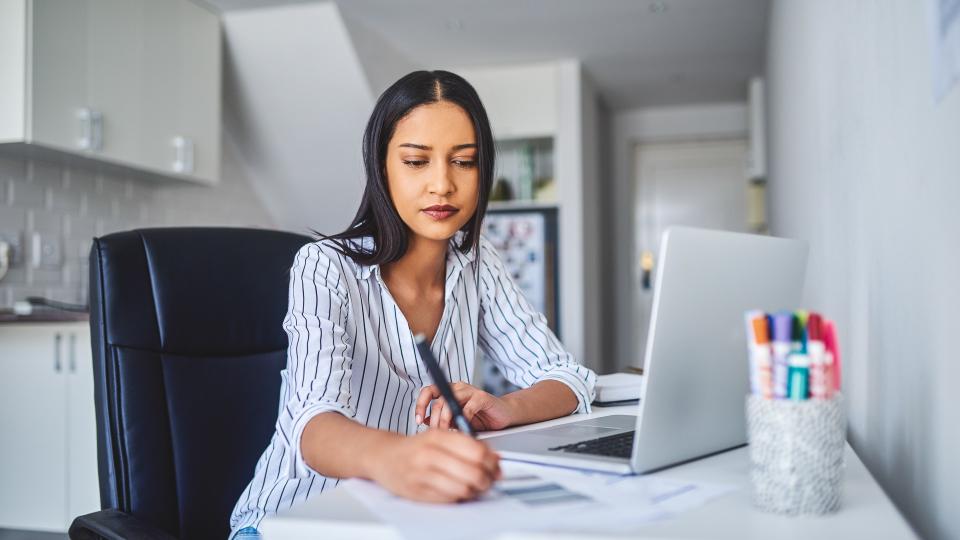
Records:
x=68, y=206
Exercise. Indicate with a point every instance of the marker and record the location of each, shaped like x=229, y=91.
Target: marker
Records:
x=758, y=341
x=816, y=350
x=833, y=355
x=798, y=338
x=798, y=377
x=442, y=384
x=782, y=331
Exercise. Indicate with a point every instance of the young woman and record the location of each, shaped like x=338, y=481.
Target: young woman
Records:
x=355, y=394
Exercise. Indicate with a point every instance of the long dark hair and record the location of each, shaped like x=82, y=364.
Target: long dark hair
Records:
x=377, y=217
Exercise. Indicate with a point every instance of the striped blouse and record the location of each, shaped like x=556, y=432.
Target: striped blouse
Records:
x=351, y=351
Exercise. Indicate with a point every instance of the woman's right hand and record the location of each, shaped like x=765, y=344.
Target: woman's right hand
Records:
x=436, y=466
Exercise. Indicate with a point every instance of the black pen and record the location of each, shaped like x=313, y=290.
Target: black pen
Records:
x=441, y=381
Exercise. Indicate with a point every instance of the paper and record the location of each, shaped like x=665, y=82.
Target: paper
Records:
x=535, y=498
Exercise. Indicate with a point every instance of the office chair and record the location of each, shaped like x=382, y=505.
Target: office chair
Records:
x=188, y=346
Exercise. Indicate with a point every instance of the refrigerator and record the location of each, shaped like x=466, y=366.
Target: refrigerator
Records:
x=526, y=239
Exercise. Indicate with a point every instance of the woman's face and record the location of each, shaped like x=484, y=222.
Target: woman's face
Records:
x=432, y=170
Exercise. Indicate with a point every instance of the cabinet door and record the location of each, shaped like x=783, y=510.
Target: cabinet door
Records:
x=83, y=489
x=32, y=424
x=114, y=65
x=59, y=67
x=198, y=102
x=182, y=87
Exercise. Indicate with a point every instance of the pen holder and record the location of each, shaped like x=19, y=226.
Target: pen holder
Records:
x=796, y=454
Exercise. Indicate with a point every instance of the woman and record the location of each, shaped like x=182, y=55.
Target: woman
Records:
x=355, y=395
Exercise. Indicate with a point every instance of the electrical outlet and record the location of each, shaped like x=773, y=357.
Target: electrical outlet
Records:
x=46, y=251
x=15, y=240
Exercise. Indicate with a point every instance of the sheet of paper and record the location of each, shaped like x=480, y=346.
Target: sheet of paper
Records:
x=535, y=498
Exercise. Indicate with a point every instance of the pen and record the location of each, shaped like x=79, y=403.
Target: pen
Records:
x=442, y=384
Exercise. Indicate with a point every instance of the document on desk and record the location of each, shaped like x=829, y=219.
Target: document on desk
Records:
x=537, y=498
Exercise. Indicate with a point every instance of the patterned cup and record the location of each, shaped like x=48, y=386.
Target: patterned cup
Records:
x=796, y=454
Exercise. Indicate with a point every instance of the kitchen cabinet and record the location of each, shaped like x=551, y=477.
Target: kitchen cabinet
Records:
x=133, y=84
x=48, y=459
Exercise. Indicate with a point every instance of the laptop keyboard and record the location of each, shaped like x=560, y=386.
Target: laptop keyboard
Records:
x=619, y=445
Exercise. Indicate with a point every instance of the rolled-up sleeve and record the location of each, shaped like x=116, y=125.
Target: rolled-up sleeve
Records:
x=317, y=377
x=517, y=338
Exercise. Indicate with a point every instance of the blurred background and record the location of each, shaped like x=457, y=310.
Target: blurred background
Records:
x=834, y=122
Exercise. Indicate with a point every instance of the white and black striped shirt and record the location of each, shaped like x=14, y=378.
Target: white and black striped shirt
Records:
x=351, y=351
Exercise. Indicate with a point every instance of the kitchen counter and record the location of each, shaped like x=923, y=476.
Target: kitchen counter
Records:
x=40, y=315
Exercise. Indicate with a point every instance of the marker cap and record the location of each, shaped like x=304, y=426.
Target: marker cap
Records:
x=782, y=326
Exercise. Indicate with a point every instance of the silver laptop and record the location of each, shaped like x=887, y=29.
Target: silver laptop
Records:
x=696, y=372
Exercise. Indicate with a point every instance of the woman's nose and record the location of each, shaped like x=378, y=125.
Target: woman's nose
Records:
x=440, y=182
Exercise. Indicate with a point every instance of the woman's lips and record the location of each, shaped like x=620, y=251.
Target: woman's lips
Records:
x=440, y=212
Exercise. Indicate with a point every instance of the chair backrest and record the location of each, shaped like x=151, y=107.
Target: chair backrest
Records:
x=188, y=346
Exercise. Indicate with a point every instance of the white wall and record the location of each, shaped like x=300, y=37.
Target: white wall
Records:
x=556, y=98
x=628, y=129
x=866, y=166
x=596, y=269
x=296, y=104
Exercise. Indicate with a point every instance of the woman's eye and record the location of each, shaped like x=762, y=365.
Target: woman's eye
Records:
x=466, y=164
x=414, y=163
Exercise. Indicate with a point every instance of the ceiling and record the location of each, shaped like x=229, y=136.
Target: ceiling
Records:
x=639, y=53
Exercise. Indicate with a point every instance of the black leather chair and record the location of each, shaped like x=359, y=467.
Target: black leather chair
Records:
x=188, y=346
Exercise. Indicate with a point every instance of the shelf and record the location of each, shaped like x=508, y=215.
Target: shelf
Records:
x=521, y=205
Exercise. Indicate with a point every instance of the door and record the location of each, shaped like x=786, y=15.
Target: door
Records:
x=181, y=89
x=32, y=424
x=698, y=184
x=83, y=489
x=114, y=64
x=59, y=74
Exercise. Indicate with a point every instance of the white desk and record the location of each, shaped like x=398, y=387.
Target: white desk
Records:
x=866, y=511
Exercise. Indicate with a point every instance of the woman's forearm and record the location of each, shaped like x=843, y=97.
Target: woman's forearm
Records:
x=545, y=400
x=335, y=446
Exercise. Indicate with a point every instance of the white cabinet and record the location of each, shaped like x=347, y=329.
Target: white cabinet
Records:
x=129, y=83
x=48, y=456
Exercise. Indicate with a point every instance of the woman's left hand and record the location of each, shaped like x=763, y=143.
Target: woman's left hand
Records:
x=484, y=411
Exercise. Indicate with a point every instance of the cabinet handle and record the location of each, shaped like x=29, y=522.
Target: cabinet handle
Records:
x=57, y=341
x=86, y=129
x=73, y=353
x=91, y=129
x=183, y=161
x=97, y=131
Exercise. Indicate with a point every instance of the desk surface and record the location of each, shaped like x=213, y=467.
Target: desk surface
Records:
x=866, y=512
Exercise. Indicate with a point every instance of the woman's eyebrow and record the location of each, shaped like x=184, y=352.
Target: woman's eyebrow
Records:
x=425, y=147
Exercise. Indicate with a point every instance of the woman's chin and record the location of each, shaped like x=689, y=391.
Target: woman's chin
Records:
x=438, y=231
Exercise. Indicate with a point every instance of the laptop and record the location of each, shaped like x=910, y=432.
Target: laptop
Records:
x=696, y=372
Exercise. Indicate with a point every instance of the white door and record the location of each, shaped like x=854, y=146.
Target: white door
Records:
x=32, y=427
x=83, y=489
x=698, y=184
x=181, y=89
x=59, y=73
x=114, y=64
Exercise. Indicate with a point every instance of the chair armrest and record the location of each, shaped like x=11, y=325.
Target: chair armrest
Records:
x=114, y=525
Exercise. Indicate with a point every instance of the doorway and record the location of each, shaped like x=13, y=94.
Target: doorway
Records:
x=694, y=183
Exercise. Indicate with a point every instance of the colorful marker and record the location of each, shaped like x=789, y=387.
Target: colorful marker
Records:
x=782, y=344
x=798, y=377
x=758, y=341
x=816, y=350
x=833, y=355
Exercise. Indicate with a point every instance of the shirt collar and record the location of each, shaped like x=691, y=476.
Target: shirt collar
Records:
x=455, y=258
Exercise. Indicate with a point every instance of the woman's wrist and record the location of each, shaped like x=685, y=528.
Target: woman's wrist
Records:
x=375, y=453
x=513, y=403
x=544, y=400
